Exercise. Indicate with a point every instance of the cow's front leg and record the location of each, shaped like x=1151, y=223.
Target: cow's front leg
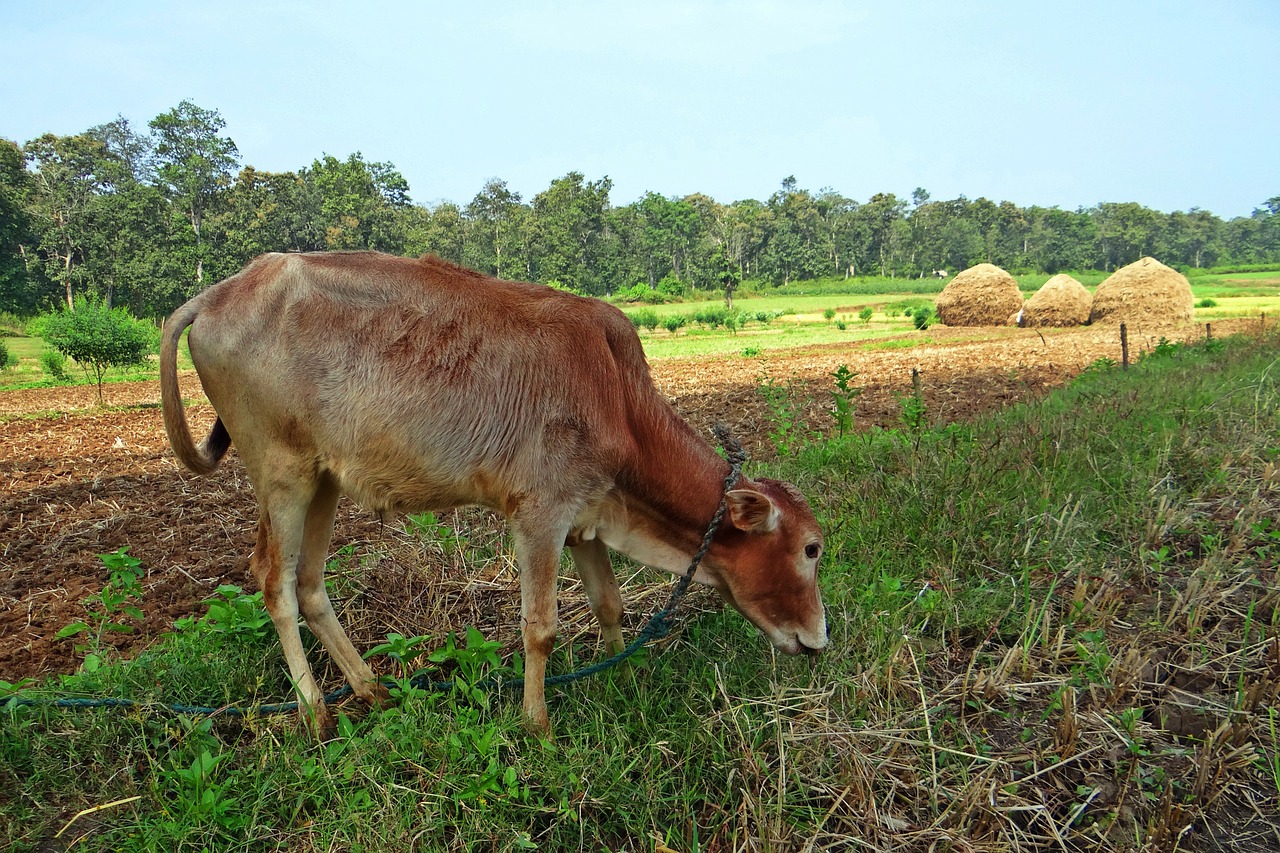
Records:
x=539, y=558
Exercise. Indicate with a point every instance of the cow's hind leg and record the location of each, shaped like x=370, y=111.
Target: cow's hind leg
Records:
x=591, y=558
x=275, y=566
x=313, y=598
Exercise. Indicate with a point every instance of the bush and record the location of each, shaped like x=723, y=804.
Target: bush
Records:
x=1207, y=303
x=829, y=314
x=920, y=317
x=645, y=318
x=674, y=323
x=640, y=293
x=865, y=315
x=4, y=356
x=99, y=338
x=54, y=364
x=671, y=287
x=10, y=325
x=712, y=316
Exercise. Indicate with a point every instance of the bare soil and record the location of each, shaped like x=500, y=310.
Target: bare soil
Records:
x=78, y=480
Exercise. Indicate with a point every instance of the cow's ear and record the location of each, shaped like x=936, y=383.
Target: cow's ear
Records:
x=751, y=511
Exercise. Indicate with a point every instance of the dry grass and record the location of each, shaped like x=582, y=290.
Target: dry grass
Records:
x=1146, y=292
x=983, y=295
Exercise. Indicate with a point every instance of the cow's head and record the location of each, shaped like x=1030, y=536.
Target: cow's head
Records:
x=764, y=562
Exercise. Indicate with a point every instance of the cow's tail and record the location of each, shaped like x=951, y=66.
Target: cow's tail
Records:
x=202, y=459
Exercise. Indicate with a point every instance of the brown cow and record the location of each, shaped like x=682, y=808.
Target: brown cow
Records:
x=415, y=385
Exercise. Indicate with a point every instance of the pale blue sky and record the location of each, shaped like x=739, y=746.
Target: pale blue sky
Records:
x=1170, y=104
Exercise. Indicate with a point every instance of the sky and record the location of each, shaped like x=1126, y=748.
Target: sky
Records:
x=1170, y=104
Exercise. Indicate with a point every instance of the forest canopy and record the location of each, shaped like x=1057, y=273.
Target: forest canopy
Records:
x=144, y=218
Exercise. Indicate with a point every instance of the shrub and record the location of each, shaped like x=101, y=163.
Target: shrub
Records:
x=865, y=315
x=4, y=356
x=1207, y=303
x=920, y=317
x=712, y=316
x=54, y=364
x=645, y=318
x=640, y=292
x=99, y=338
x=674, y=323
x=829, y=314
x=671, y=287
x=10, y=325
x=841, y=325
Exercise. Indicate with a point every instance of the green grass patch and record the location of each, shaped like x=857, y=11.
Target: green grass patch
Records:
x=1015, y=603
x=33, y=371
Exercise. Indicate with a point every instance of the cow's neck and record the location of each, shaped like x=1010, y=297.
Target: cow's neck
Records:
x=670, y=491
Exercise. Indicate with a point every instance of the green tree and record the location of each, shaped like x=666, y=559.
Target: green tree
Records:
x=568, y=232
x=440, y=231
x=796, y=248
x=67, y=180
x=129, y=257
x=194, y=164
x=19, y=290
x=494, y=217
x=99, y=338
x=884, y=218
x=355, y=204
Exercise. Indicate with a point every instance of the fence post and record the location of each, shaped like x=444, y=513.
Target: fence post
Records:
x=1208, y=332
x=1124, y=346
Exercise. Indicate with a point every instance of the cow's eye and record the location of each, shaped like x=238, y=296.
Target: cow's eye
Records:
x=812, y=550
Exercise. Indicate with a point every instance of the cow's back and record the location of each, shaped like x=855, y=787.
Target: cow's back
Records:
x=418, y=383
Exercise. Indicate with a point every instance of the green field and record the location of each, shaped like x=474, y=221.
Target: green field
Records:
x=796, y=319
x=1052, y=628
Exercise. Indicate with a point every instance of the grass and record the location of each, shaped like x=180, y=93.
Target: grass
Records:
x=1051, y=628
x=29, y=373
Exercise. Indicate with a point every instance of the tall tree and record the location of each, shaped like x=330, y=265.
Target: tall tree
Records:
x=18, y=290
x=195, y=164
x=568, y=222
x=356, y=204
x=496, y=212
x=69, y=174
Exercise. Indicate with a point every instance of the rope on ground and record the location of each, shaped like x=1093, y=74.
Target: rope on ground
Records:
x=658, y=626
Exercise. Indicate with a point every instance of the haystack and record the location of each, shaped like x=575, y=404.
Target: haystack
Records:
x=984, y=295
x=1145, y=292
x=1062, y=301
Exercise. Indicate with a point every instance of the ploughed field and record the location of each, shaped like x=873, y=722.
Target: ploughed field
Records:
x=77, y=480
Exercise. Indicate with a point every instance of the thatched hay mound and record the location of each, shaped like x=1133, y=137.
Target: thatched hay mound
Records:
x=1061, y=301
x=1145, y=292
x=984, y=295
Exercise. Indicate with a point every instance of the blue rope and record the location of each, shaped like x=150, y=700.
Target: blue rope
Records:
x=658, y=626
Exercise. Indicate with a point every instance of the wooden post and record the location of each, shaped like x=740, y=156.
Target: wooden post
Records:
x=1208, y=332
x=915, y=381
x=1124, y=346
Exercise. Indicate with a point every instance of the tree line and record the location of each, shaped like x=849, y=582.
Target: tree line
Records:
x=145, y=218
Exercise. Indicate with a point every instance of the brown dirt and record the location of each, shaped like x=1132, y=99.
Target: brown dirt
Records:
x=77, y=480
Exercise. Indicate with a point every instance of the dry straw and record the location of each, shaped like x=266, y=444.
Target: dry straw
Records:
x=1062, y=301
x=984, y=295
x=1146, y=292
